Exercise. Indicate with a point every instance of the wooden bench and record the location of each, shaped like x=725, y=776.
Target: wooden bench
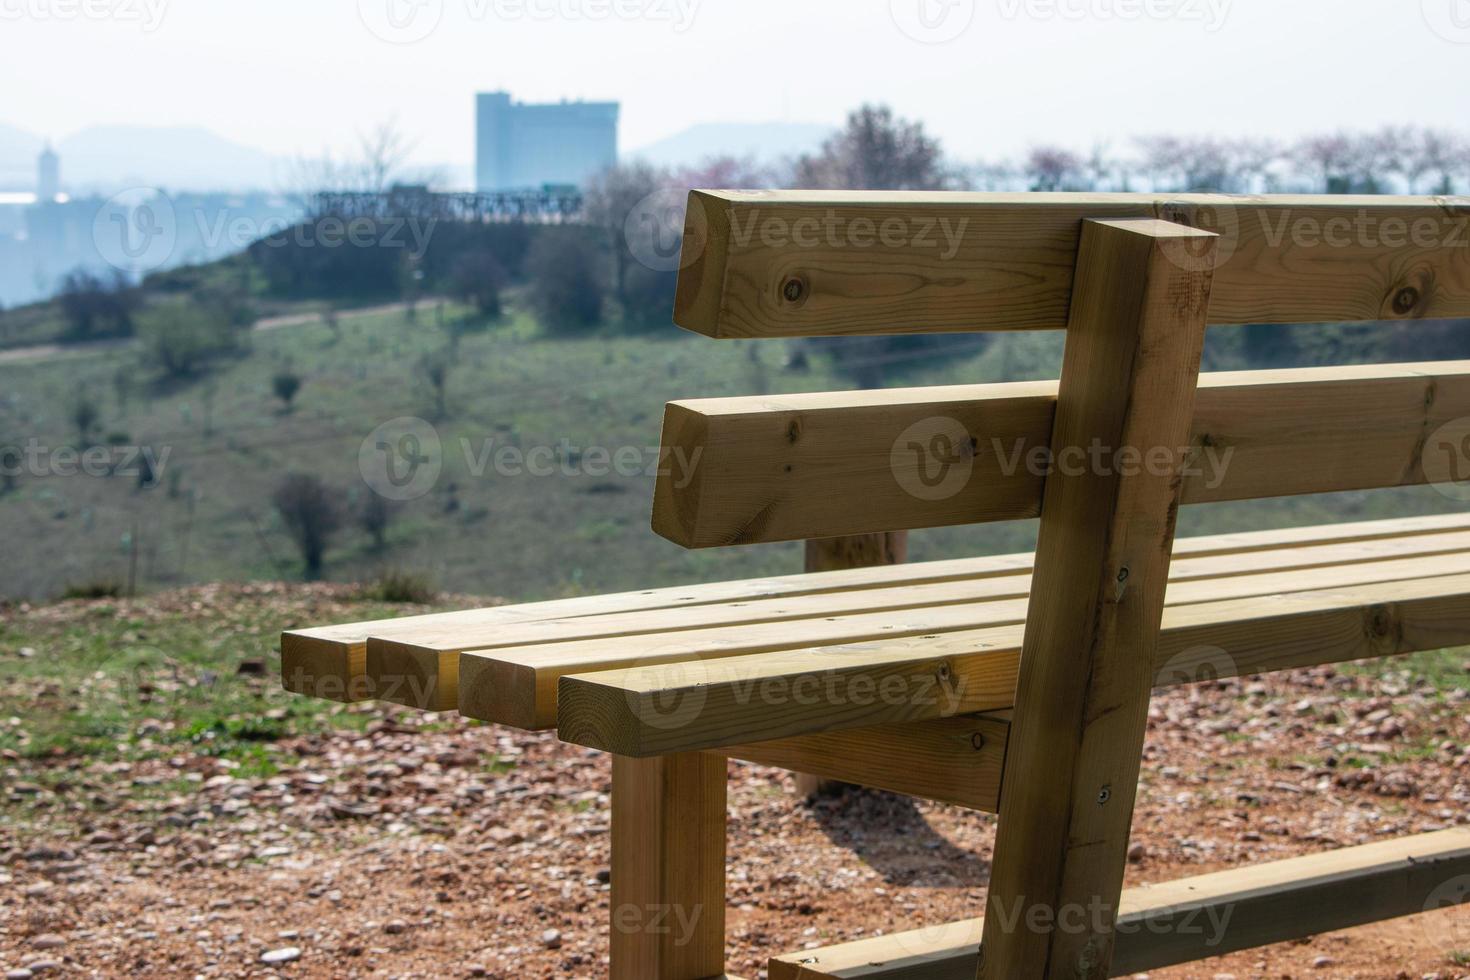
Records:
x=1015, y=684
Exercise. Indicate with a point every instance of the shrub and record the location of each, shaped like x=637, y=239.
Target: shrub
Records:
x=105, y=588
x=311, y=515
x=565, y=288
x=285, y=385
x=397, y=585
x=648, y=297
x=96, y=307
x=297, y=262
x=180, y=338
x=478, y=277
x=374, y=512
x=85, y=415
x=433, y=370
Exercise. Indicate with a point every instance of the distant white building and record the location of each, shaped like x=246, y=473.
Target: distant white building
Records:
x=519, y=146
x=48, y=176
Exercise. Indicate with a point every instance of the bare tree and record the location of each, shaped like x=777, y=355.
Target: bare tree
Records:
x=629, y=195
x=383, y=150
x=1329, y=158
x=85, y=415
x=1099, y=167
x=379, y=162
x=1052, y=168
x=434, y=370
x=1441, y=154
x=876, y=151
x=311, y=515
x=374, y=513
x=1255, y=162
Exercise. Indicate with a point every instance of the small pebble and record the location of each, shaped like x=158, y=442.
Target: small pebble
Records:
x=287, y=955
x=20, y=974
x=551, y=939
x=1322, y=962
x=396, y=927
x=49, y=941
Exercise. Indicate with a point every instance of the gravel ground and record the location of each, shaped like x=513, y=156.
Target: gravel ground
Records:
x=408, y=845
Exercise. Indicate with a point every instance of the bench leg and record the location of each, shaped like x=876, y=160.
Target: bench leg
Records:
x=1102, y=560
x=834, y=554
x=668, y=867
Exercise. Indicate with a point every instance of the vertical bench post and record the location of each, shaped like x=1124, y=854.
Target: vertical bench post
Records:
x=834, y=554
x=1126, y=399
x=668, y=867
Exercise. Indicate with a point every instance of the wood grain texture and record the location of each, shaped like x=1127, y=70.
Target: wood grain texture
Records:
x=668, y=868
x=682, y=706
x=1180, y=921
x=330, y=661
x=795, y=466
x=951, y=760
x=424, y=673
x=1129, y=375
x=874, y=262
x=517, y=686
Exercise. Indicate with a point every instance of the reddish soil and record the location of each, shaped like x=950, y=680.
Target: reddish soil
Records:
x=405, y=853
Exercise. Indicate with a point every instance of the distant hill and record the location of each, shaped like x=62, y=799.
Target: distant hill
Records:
x=178, y=158
x=765, y=142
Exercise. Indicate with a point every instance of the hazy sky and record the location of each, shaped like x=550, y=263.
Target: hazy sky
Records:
x=295, y=76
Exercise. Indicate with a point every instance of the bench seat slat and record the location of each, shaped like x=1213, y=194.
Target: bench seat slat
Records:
x=422, y=671
x=330, y=661
x=683, y=705
x=517, y=685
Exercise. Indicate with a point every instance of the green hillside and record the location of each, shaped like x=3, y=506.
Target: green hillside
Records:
x=229, y=442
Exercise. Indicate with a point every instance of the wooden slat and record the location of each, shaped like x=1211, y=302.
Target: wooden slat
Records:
x=668, y=868
x=517, y=685
x=423, y=672
x=827, y=263
x=1194, y=918
x=951, y=760
x=794, y=466
x=330, y=661
x=1134, y=341
x=649, y=710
